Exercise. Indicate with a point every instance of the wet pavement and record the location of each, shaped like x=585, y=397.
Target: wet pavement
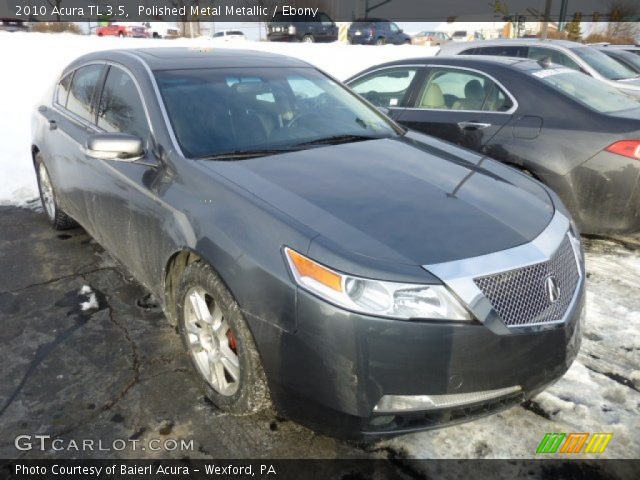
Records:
x=116, y=371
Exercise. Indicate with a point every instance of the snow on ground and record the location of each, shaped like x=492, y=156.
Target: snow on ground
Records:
x=600, y=393
x=91, y=303
x=33, y=60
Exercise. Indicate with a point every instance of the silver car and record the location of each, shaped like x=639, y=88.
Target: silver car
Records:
x=573, y=55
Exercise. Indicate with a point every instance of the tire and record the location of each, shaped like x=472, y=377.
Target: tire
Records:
x=57, y=218
x=120, y=34
x=207, y=345
x=381, y=41
x=308, y=39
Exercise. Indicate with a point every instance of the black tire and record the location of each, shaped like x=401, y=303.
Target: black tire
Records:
x=252, y=393
x=120, y=34
x=57, y=218
x=381, y=41
x=308, y=38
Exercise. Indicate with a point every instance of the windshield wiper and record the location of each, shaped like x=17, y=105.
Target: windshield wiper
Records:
x=241, y=154
x=337, y=139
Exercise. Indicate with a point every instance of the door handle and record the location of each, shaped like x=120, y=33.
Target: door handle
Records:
x=52, y=125
x=473, y=125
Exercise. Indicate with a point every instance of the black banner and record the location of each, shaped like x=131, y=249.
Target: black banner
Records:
x=338, y=10
x=321, y=469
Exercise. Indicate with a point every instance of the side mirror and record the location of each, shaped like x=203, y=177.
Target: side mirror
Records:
x=120, y=147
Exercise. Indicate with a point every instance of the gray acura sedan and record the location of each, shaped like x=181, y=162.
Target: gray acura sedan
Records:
x=315, y=256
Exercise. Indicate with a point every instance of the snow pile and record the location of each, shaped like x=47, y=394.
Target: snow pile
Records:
x=33, y=60
x=92, y=299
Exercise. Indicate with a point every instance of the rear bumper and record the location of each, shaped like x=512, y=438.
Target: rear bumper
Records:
x=335, y=368
x=361, y=40
x=603, y=194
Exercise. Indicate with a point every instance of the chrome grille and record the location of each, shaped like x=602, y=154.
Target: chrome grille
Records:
x=521, y=297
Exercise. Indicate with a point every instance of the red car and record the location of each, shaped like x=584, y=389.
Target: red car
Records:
x=123, y=30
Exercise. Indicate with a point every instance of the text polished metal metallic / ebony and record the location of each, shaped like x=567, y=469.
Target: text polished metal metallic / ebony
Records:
x=313, y=255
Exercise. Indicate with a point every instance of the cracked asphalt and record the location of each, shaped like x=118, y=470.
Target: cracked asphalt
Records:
x=117, y=371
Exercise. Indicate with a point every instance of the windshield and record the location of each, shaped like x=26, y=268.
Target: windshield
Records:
x=604, y=65
x=587, y=90
x=222, y=111
x=626, y=58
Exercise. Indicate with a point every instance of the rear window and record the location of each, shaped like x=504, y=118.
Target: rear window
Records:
x=587, y=90
x=83, y=86
x=604, y=65
x=460, y=33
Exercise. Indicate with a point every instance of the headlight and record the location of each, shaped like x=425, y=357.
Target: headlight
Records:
x=375, y=297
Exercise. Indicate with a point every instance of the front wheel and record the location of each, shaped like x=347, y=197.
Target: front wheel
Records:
x=219, y=343
x=308, y=39
x=58, y=219
x=381, y=41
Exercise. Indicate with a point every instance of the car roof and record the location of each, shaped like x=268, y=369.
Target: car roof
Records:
x=170, y=58
x=510, y=42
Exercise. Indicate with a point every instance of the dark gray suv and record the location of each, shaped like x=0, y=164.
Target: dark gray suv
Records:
x=314, y=255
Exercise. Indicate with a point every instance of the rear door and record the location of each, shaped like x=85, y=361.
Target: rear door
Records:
x=71, y=122
x=462, y=106
x=390, y=87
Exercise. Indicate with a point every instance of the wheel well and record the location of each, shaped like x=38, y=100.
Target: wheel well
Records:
x=176, y=265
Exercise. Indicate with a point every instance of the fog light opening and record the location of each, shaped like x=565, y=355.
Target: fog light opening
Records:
x=413, y=403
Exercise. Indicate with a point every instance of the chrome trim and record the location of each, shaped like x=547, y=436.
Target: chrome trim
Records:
x=459, y=275
x=163, y=110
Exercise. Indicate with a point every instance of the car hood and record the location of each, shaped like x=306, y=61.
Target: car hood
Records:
x=399, y=199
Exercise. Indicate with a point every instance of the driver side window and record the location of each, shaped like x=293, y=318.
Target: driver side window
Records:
x=386, y=88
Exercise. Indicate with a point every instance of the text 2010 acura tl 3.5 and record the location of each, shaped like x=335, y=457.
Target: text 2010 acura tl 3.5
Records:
x=315, y=256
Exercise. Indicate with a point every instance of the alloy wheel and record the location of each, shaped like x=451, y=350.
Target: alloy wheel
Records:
x=211, y=343
x=48, y=200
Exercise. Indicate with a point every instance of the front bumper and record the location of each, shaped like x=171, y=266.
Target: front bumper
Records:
x=333, y=371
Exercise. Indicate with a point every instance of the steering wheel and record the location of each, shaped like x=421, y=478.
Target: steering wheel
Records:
x=296, y=118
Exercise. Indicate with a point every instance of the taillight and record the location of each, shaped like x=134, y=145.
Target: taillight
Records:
x=627, y=148
x=372, y=32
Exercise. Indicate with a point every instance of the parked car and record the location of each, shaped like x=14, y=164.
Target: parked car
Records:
x=376, y=32
x=123, y=29
x=624, y=57
x=302, y=28
x=229, y=35
x=466, y=36
x=573, y=55
x=13, y=25
x=430, y=39
x=161, y=30
x=313, y=253
x=577, y=135
x=635, y=49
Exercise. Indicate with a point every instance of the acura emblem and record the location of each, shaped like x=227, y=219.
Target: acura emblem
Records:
x=553, y=291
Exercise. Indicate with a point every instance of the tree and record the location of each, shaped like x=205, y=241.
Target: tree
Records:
x=622, y=19
x=574, y=29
